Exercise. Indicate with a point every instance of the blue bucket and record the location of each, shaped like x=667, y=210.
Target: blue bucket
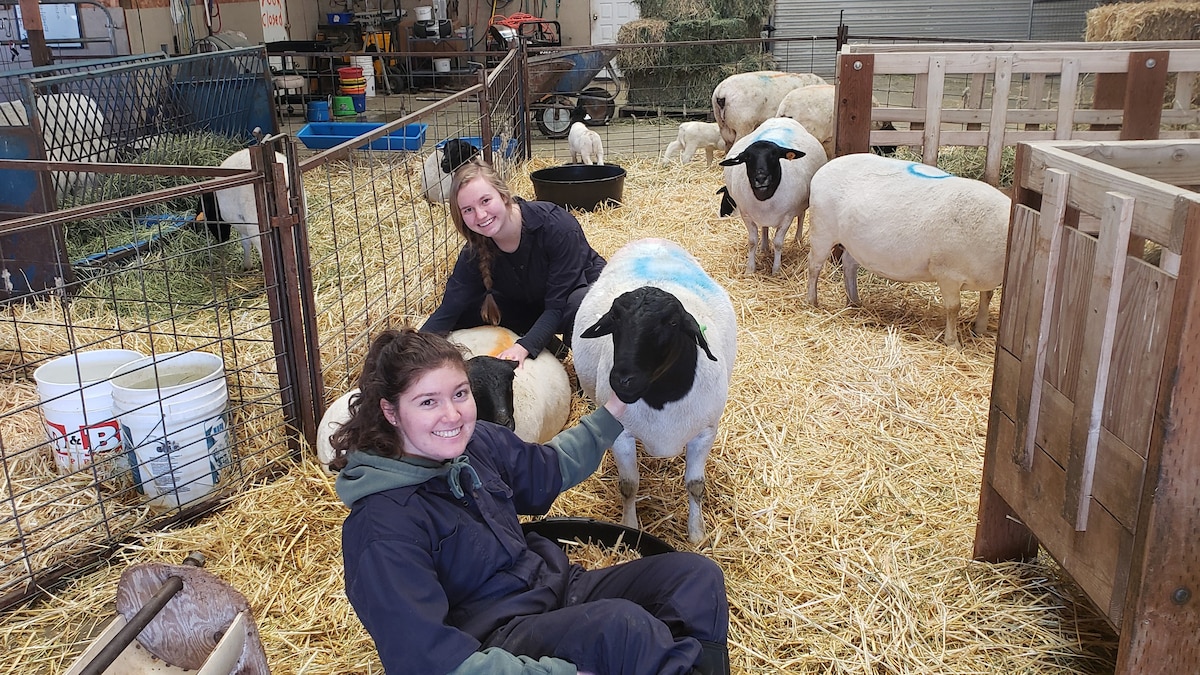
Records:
x=318, y=111
x=360, y=102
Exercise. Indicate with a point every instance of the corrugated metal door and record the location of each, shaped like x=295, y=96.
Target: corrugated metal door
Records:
x=937, y=20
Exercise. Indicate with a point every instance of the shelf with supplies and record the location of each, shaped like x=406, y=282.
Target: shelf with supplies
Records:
x=456, y=49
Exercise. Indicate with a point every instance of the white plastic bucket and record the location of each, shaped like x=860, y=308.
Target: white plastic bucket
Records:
x=76, y=402
x=368, y=68
x=441, y=65
x=174, y=425
x=424, y=13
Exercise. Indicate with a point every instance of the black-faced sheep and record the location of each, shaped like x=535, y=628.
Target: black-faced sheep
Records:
x=585, y=144
x=767, y=174
x=742, y=102
x=533, y=400
x=237, y=206
x=910, y=222
x=439, y=166
x=693, y=137
x=658, y=333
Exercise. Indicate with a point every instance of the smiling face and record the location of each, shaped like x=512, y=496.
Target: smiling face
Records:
x=435, y=417
x=484, y=211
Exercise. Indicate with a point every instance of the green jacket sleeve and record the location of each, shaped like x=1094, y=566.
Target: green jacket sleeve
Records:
x=496, y=661
x=581, y=447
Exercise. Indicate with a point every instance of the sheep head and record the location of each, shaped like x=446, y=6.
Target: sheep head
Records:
x=762, y=166
x=655, y=341
x=492, y=388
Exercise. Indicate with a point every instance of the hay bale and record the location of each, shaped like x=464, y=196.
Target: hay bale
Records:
x=642, y=31
x=1130, y=21
x=672, y=10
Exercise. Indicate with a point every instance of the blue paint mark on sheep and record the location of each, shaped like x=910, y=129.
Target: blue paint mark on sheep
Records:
x=925, y=171
x=783, y=137
x=670, y=264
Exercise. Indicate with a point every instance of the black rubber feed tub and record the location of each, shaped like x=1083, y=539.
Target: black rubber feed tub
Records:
x=564, y=530
x=579, y=186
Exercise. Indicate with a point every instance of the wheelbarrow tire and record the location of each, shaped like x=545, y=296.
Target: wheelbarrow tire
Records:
x=553, y=116
x=599, y=106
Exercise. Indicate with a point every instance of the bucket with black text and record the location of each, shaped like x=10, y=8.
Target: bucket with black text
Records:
x=174, y=425
x=77, y=407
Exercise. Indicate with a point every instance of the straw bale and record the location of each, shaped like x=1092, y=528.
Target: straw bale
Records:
x=1143, y=21
x=842, y=492
x=674, y=10
x=642, y=31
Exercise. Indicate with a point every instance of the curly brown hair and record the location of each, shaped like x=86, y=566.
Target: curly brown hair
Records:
x=484, y=247
x=395, y=361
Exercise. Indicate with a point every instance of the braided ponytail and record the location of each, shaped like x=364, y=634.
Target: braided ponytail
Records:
x=483, y=246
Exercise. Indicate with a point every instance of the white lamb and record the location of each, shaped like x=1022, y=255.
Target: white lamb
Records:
x=767, y=175
x=534, y=403
x=657, y=332
x=237, y=206
x=742, y=102
x=72, y=127
x=910, y=222
x=585, y=144
x=692, y=137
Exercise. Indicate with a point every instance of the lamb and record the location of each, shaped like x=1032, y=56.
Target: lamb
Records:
x=540, y=391
x=694, y=136
x=585, y=144
x=910, y=222
x=440, y=165
x=779, y=158
x=742, y=102
x=534, y=400
x=237, y=206
x=670, y=357
x=815, y=107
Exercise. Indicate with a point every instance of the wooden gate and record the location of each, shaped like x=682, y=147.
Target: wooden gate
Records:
x=1093, y=446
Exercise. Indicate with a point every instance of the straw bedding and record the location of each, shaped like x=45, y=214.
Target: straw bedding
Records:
x=842, y=493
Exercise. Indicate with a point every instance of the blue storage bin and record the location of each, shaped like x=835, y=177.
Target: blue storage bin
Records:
x=510, y=148
x=340, y=17
x=324, y=135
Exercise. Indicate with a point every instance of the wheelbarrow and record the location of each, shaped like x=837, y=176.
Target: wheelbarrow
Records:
x=560, y=92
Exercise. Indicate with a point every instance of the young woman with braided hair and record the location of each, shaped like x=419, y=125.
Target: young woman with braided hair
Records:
x=438, y=568
x=526, y=264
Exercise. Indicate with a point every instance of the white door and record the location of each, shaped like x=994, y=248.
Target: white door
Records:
x=607, y=18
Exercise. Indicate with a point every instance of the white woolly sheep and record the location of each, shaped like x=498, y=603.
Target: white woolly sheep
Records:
x=815, y=107
x=910, y=222
x=742, y=102
x=585, y=144
x=533, y=400
x=670, y=356
x=72, y=127
x=692, y=137
x=440, y=165
x=236, y=205
x=767, y=174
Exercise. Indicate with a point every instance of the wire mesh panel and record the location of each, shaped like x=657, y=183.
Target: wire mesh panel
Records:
x=91, y=455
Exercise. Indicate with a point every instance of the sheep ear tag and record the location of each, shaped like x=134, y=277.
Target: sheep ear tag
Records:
x=793, y=154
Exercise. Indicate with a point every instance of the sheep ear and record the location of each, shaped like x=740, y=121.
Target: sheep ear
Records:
x=793, y=154
x=732, y=161
x=693, y=329
x=603, y=326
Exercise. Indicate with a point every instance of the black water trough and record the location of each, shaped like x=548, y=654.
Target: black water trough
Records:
x=579, y=186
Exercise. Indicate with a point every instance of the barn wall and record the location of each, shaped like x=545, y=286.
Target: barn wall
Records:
x=939, y=20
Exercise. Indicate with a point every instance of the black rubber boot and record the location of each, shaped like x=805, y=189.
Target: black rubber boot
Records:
x=714, y=659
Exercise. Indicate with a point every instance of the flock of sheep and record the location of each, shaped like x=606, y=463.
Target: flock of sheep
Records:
x=658, y=332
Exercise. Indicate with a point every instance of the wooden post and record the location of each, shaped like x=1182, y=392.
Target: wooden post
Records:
x=852, y=125
x=1162, y=610
x=31, y=16
x=1145, y=88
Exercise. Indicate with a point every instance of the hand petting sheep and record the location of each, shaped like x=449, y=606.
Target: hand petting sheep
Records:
x=585, y=144
x=767, y=174
x=659, y=334
x=910, y=222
